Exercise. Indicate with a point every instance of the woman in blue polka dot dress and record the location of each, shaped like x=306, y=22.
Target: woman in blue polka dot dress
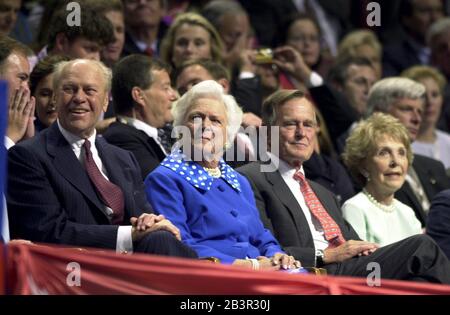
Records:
x=211, y=204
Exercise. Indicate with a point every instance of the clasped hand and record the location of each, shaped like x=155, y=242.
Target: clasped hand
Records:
x=278, y=261
x=149, y=222
x=348, y=250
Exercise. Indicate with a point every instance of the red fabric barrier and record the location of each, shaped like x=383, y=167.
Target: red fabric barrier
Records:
x=42, y=269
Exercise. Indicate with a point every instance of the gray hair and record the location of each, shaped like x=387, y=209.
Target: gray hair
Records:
x=437, y=28
x=63, y=65
x=209, y=89
x=386, y=92
x=214, y=10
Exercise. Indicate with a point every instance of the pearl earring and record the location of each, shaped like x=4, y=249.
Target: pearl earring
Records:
x=366, y=175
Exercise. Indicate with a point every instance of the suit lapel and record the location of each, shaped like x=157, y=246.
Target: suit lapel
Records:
x=285, y=195
x=426, y=178
x=68, y=166
x=156, y=148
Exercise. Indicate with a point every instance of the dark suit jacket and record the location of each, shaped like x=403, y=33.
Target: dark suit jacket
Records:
x=331, y=174
x=281, y=213
x=399, y=56
x=145, y=149
x=335, y=109
x=248, y=94
x=130, y=47
x=433, y=178
x=438, y=224
x=51, y=199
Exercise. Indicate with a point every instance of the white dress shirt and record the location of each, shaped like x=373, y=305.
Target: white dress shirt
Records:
x=438, y=150
x=5, y=222
x=124, y=238
x=287, y=173
x=150, y=131
x=9, y=143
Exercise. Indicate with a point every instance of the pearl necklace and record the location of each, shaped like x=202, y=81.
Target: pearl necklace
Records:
x=214, y=172
x=386, y=208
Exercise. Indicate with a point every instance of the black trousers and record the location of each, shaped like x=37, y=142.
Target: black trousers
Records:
x=417, y=258
x=163, y=243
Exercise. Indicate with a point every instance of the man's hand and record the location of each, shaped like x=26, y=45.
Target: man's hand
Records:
x=233, y=55
x=291, y=61
x=246, y=61
x=21, y=115
x=348, y=250
x=147, y=223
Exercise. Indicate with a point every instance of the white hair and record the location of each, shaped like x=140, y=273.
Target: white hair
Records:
x=386, y=92
x=213, y=90
x=60, y=67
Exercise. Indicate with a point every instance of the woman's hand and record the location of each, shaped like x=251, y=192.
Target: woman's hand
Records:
x=284, y=261
x=277, y=262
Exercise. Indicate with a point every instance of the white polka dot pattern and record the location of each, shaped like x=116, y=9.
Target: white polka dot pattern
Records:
x=195, y=175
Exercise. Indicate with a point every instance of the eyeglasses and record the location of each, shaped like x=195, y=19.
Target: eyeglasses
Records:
x=304, y=38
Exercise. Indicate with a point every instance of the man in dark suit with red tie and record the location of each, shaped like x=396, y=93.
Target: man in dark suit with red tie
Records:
x=305, y=217
x=68, y=186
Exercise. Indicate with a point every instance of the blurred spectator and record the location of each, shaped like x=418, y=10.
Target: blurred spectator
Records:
x=303, y=34
x=41, y=87
x=332, y=18
x=365, y=44
x=9, y=10
x=84, y=41
x=430, y=141
x=144, y=26
x=232, y=23
x=113, y=11
x=191, y=36
x=353, y=77
x=438, y=38
x=416, y=16
x=269, y=19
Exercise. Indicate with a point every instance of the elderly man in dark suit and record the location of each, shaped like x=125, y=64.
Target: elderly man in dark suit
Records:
x=305, y=217
x=68, y=186
x=143, y=99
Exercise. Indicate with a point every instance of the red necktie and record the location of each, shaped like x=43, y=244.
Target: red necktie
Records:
x=149, y=51
x=108, y=192
x=331, y=230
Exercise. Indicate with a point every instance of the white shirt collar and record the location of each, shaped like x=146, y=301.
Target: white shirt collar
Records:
x=150, y=131
x=287, y=173
x=76, y=143
x=284, y=167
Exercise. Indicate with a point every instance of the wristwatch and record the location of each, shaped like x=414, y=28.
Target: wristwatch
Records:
x=319, y=258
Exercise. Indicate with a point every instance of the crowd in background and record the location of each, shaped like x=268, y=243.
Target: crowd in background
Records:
x=380, y=97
